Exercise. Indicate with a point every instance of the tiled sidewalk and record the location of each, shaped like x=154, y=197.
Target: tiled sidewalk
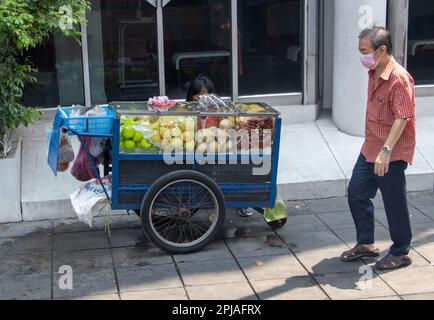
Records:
x=251, y=261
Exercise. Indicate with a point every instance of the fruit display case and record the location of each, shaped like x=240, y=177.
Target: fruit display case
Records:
x=182, y=199
x=256, y=122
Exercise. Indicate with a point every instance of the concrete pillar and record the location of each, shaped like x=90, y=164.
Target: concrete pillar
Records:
x=350, y=78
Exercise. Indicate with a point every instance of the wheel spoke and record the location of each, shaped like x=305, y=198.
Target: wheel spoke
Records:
x=181, y=212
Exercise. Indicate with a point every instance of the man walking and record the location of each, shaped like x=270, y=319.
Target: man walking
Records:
x=388, y=150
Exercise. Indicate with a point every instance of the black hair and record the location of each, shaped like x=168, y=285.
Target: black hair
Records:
x=379, y=36
x=196, y=86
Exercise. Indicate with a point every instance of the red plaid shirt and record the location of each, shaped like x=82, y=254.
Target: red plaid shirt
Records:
x=392, y=99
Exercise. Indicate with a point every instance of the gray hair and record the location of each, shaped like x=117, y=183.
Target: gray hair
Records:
x=379, y=36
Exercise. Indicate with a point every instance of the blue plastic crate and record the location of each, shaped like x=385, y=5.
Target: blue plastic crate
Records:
x=88, y=126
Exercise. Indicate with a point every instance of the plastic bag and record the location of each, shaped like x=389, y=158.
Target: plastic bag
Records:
x=280, y=210
x=65, y=154
x=96, y=146
x=82, y=111
x=160, y=103
x=82, y=169
x=90, y=200
x=211, y=103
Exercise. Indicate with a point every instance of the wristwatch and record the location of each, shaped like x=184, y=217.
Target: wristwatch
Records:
x=386, y=149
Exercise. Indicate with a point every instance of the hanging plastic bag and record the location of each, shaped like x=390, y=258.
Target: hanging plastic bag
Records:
x=90, y=200
x=280, y=210
x=65, y=154
x=82, y=168
x=96, y=147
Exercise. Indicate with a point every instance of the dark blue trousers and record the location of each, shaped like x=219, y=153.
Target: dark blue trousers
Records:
x=364, y=186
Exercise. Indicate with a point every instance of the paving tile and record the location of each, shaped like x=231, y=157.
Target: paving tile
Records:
x=140, y=256
x=327, y=261
x=24, y=228
x=378, y=201
x=421, y=198
x=241, y=228
x=80, y=241
x=210, y=272
x=257, y=246
x=314, y=240
x=415, y=217
x=127, y=238
x=216, y=250
x=425, y=249
x=271, y=267
x=410, y=280
x=146, y=278
x=423, y=233
x=72, y=225
x=26, y=287
x=328, y=205
x=118, y=221
x=427, y=210
x=28, y=244
x=160, y=294
x=222, y=291
x=302, y=223
x=84, y=260
x=298, y=208
x=422, y=296
x=338, y=220
x=348, y=286
x=25, y=264
x=122, y=221
x=90, y=283
x=292, y=288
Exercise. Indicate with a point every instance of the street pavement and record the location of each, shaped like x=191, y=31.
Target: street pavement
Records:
x=249, y=261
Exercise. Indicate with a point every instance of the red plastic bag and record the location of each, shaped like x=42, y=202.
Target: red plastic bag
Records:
x=82, y=169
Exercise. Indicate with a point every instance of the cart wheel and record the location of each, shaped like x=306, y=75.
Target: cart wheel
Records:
x=183, y=211
x=277, y=224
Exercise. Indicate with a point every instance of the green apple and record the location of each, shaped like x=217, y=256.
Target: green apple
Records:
x=129, y=144
x=138, y=136
x=128, y=132
x=145, y=144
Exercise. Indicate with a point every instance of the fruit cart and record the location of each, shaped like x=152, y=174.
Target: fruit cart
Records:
x=179, y=178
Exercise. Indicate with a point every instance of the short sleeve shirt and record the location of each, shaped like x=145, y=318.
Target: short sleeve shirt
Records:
x=393, y=98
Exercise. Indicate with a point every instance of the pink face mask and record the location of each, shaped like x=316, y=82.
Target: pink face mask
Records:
x=368, y=61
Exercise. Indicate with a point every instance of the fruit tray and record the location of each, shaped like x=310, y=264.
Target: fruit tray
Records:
x=188, y=126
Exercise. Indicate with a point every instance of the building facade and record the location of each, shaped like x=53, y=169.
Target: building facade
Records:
x=300, y=56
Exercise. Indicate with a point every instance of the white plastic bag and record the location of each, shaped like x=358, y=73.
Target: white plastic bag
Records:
x=90, y=200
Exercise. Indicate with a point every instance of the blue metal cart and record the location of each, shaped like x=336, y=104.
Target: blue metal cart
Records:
x=182, y=205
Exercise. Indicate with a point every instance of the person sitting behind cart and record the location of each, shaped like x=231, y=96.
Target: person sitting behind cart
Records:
x=200, y=86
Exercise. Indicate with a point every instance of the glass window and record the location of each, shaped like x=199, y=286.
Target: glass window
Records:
x=271, y=46
x=420, y=57
x=122, y=44
x=197, y=40
x=59, y=76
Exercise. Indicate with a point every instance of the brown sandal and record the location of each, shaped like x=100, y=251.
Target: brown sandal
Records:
x=358, y=252
x=391, y=262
